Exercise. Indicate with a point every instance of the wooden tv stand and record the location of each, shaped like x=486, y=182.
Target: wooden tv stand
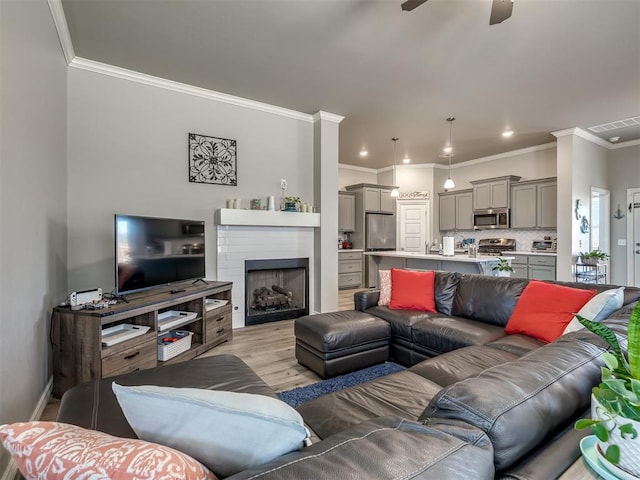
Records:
x=79, y=355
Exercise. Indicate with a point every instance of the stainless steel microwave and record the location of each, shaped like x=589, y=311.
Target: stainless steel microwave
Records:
x=491, y=218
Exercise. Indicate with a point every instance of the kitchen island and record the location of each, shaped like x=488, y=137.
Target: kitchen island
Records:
x=462, y=263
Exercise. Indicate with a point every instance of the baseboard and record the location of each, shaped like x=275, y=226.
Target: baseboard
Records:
x=11, y=471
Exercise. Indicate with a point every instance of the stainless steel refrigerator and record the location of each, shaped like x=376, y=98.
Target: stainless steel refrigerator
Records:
x=380, y=234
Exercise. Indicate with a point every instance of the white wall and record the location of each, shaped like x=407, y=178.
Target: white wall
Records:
x=128, y=154
x=590, y=169
x=529, y=165
x=32, y=203
x=624, y=172
x=350, y=175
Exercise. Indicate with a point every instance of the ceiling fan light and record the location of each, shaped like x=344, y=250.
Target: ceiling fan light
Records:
x=364, y=152
x=448, y=149
x=406, y=160
x=448, y=184
x=507, y=133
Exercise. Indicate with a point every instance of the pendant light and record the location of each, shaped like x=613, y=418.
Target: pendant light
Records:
x=448, y=184
x=395, y=192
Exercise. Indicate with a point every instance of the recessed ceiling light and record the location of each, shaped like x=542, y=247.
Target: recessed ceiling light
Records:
x=507, y=133
x=614, y=139
x=406, y=160
x=363, y=152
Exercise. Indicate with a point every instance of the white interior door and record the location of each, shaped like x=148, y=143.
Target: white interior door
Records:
x=412, y=218
x=633, y=237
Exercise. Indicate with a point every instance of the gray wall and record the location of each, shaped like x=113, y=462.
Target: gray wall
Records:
x=624, y=172
x=32, y=202
x=128, y=154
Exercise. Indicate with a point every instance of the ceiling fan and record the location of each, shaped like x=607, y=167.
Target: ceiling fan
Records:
x=500, y=9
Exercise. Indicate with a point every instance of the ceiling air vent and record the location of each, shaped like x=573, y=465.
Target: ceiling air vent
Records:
x=605, y=127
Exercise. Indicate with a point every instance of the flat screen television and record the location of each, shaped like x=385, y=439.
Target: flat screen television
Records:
x=154, y=252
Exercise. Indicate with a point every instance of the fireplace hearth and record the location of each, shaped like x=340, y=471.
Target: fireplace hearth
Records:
x=276, y=289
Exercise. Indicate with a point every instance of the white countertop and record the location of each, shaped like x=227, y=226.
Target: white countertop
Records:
x=344, y=250
x=456, y=258
x=545, y=254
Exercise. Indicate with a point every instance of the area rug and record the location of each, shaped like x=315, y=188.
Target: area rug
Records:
x=298, y=396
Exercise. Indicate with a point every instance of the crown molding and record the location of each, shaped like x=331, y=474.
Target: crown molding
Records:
x=60, y=21
x=331, y=117
x=579, y=132
x=123, y=73
x=630, y=143
x=357, y=169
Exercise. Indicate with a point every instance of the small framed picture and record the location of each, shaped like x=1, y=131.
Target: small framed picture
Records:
x=212, y=160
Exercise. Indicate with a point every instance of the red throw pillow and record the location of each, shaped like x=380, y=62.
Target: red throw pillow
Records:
x=545, y=309
x=412, y=290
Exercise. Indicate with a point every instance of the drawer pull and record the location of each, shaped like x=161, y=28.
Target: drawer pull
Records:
x=220, y=331
x=133, y=355
x=219, y=319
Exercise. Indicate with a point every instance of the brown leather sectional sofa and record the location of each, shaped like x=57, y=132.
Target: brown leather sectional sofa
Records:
x=476, y=403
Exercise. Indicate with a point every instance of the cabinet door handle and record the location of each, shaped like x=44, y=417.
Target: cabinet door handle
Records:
x=129, y=357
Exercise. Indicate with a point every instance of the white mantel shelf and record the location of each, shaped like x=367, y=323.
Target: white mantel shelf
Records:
x=266, y=218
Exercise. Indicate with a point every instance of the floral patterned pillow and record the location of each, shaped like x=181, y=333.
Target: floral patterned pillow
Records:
x=58, y=451
x=385, y=287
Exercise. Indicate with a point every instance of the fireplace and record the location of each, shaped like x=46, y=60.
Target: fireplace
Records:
x=276, y=289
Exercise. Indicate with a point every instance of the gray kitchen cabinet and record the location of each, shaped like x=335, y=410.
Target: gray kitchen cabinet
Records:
x=520, y=266
x=547, y=202
x=456, y=210
x=534, y=267
x=533, y=204
x=447, y=212
x=378, y=200
x=464, y=211
x=492, y=193
x=349, y=269
x=387, y=202
x=346, y=212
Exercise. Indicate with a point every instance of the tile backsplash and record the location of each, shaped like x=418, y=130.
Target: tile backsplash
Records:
x=523, y=238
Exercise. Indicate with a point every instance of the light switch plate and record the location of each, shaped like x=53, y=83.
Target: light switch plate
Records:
x=622, y=242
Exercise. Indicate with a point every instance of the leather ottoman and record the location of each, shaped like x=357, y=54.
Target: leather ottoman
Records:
x=340, y=342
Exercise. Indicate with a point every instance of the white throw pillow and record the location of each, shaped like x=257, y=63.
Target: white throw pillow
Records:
x=598, y=308
x=226, y=431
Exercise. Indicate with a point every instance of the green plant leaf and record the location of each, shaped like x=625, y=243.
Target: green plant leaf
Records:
x=613, y=454
x=633, y=349
x=600, y=431
x=628, y=431
x=610, y=361
x=606, y=334
x=585, y=423
x=619, y=386
x=635, y=387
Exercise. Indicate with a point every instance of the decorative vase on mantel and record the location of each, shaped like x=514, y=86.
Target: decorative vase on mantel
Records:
x=629, y=446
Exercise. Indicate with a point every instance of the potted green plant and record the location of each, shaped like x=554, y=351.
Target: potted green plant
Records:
x=593, y=257
x=291, y=203
x=615, y=402
x=503, y=268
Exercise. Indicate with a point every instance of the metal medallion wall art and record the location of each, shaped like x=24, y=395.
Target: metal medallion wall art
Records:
x=212, y=160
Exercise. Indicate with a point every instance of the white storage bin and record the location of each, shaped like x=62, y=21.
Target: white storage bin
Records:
x=180, y=341
x=174, y=318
